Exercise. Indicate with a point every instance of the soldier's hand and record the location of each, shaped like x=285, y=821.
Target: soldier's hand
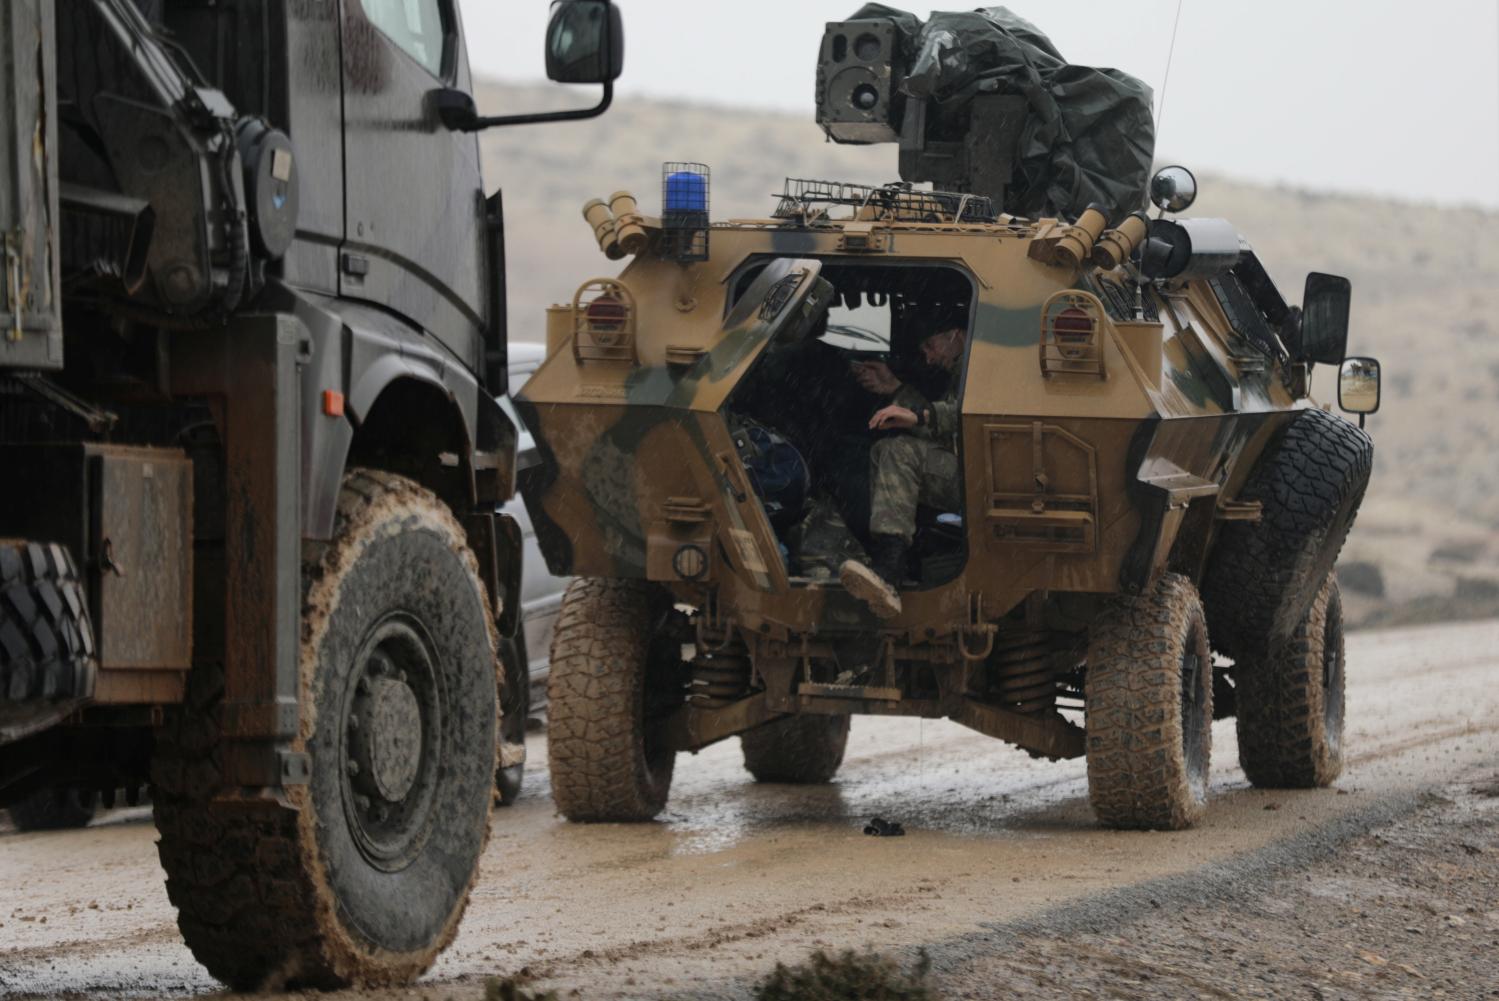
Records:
x=876, y=377
x=892, y=418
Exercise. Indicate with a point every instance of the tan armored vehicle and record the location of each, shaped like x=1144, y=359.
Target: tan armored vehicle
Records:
x=1141, y=477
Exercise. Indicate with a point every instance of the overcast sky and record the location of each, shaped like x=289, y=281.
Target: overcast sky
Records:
x=1367, y=96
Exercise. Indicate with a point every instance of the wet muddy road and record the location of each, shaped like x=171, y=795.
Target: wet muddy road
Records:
x=737, y=876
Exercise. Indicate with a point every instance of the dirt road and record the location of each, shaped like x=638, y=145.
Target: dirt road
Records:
x=737, y=876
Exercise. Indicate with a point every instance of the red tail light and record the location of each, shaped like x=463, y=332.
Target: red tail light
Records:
x=607, y=313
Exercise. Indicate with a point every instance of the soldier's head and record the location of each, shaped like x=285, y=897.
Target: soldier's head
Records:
x=944, y=348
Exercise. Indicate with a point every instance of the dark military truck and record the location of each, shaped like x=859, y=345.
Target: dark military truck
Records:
x=254, y=327
x=1145, y=479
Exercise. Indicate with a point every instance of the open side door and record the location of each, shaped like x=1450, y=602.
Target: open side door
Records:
x=782, y=305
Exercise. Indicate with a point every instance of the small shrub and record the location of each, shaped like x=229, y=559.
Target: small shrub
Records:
x=849, y=976
x=514, y=989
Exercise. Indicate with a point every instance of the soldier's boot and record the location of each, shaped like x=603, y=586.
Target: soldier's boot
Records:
x=878, y=584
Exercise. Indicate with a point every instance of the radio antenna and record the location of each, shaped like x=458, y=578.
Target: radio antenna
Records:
x=1160, y=111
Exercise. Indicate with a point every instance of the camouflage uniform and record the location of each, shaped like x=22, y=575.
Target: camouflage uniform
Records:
x=821, y=542
x=916, y=467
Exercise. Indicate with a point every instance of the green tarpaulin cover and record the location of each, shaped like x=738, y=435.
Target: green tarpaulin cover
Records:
x=1090, y=134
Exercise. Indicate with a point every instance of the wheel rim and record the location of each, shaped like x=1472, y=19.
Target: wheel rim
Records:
x=1195, y=666
x=1332, y=679
x=392, y=726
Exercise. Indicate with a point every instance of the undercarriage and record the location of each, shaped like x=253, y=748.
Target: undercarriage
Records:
x=1018, y=683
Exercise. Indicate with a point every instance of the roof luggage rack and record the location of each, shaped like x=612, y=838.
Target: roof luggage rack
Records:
x=895, y=202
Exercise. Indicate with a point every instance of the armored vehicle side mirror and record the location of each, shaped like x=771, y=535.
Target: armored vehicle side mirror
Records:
x=1358, y=387
x=585, y=42
x=1324, y=319
x=1173, y=189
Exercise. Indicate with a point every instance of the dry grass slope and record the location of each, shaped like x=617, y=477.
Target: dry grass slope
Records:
x=1426, y=296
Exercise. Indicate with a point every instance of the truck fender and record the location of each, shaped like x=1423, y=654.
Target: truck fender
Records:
x=359, y=354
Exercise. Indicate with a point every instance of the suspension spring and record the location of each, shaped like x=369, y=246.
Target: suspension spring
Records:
x=719, y=677
x=1022, y=671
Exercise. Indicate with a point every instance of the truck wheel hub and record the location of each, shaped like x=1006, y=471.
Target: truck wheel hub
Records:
x=390, y=750
x=393, y=728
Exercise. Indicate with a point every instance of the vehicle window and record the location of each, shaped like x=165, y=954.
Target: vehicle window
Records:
x=416, y=26
x=866, y=328
x=880, y=308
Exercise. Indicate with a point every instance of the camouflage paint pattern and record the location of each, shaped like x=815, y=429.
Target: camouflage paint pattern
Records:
x=639, y=462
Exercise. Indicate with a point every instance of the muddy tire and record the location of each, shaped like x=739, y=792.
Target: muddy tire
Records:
x=1264, y=575
x=515, y=705
x=1291, y=704
x=606, y=746
x=57, y=809
x=46, y=641
x=799, y=750
x=362, y=876
x=1149, y=697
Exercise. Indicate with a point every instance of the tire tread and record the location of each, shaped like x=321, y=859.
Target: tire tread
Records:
x=595, y=735
x=796, y=750
x=1283, y=741
x=46, y=638
x=1136, y=772
x=251, y=902
x=1264, y=575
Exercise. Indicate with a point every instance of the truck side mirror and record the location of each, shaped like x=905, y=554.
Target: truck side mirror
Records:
x=585, y=42
x=455, y=109
x=1324, y=318
x=1358, y=387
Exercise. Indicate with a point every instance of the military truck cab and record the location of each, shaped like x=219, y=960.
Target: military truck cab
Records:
x=252, y=553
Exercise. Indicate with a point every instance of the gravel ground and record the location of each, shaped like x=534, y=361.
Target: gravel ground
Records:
x=1409, y=909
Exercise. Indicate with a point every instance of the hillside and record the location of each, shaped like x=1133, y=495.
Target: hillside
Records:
x=1426, y=300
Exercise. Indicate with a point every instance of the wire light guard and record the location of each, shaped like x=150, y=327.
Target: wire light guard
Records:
x=684, y=211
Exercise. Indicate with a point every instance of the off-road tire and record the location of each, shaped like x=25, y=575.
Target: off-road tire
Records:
x=606, y=750
x=1291, y=704
x=798, y=750
x=1263, y=575
x=325, y=890
x=515, y=705
x=1148, y=744
x=46, y=641
x=62, y=808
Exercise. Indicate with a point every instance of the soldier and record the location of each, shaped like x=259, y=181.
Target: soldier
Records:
x=917, y=467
